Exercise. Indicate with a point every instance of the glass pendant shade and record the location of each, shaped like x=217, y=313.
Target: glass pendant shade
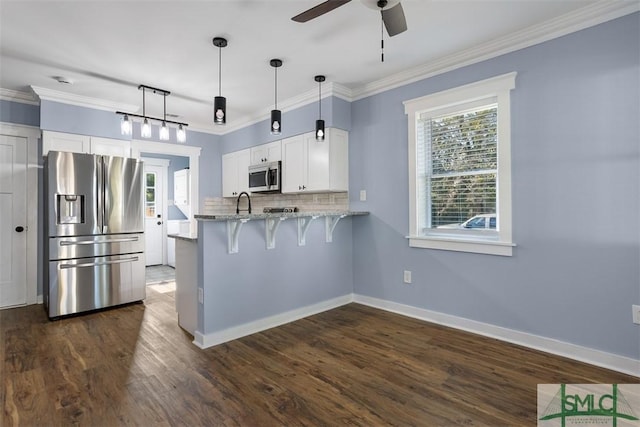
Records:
x=276, y=122
x=181, y=134
x=220, y=110
x=164, y=132
x=125, y=125
x=319, y=130
x=145, y=130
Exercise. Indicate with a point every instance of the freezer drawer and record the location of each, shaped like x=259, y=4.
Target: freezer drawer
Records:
x=89, y=283
x=93, y=246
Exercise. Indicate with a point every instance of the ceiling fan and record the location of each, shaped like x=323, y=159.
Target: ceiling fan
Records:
x=392, y=16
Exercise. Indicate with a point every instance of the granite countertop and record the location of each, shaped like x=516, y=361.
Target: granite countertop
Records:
x=236, y=217
x=186, y=237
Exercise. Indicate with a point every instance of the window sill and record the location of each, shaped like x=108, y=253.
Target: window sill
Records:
x=459, y=245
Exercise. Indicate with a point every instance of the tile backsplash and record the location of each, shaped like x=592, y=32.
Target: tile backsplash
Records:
x=304, y=202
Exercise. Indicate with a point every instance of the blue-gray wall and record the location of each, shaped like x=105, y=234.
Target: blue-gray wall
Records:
x=19, y=113
x=576, y=188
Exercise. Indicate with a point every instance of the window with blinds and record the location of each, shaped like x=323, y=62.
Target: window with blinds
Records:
x=458, y=169
x=459, y=143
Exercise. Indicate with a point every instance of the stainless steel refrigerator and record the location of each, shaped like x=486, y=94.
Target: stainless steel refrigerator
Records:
x=94, y=232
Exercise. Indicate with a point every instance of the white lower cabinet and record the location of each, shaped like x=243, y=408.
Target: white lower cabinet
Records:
x=235, y=173
x=316, y=166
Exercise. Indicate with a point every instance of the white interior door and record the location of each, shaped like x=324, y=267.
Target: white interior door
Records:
x=13, y=221
x=155, y=178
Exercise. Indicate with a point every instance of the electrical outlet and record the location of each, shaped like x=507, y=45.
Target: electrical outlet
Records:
x=636, y=314
x=201, y=295
x=363, y=195
x=407, y=276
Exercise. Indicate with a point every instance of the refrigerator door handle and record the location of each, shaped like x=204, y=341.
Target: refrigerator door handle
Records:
x=105, y=225
x=99, y=242
x=97, y=264
x=99, y=194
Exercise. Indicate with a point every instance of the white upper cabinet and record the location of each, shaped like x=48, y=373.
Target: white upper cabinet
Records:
x=110, y=147
x=59, y=141
x=181, y=187
x=235, y=173
x=271, y=152
x=316, y=166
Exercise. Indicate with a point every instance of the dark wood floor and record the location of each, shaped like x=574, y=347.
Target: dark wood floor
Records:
x=353, y=365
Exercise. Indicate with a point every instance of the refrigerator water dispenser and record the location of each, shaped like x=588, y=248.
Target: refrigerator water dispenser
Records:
x=70, y=208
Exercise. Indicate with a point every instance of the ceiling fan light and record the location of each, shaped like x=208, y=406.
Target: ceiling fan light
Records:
x=164, y=132
x=276, y=122
x=145, y=130
x=181, y=134
x=125, y=125
x=220, y=110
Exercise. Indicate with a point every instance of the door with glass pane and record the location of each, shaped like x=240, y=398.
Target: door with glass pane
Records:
x=154, y=181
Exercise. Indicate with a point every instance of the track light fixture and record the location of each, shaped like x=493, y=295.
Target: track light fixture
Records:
x=276, y=115
x=319, y=122
x=220, y=102
x=145, y=129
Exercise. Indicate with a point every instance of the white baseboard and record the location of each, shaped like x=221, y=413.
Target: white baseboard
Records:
x=235, y=332
x=611, y=361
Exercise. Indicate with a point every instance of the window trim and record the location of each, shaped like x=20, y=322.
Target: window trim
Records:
x=498, y=87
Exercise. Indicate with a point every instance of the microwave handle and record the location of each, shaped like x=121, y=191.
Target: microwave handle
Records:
x=275, y=178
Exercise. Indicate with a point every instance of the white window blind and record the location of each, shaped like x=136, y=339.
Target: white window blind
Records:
x=457, y=155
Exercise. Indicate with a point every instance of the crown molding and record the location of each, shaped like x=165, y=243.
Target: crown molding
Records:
x=588, y=16
x=82, y=101
x=17, y=96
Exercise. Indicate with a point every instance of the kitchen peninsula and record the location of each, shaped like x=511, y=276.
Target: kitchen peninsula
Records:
x=258, y=271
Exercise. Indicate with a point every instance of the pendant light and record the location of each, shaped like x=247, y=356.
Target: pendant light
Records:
x=125, y=125
x=319, y=122
x=181, y=134
x=145, y=130
x=220, y=102
x=164, y=130
x=276, y=115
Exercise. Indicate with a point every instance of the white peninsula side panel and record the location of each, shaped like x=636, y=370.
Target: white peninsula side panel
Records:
x=186, y=283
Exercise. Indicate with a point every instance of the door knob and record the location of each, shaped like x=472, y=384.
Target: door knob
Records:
x=19, y=229
x=159, y=222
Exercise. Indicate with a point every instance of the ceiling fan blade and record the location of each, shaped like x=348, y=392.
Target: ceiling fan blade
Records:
x=394, y=20
x=318, y=10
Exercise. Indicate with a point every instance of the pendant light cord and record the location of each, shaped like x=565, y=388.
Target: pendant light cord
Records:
x=143, y=103
x=219, y=71
x=320, y=100
x=381, y=36
x=165, y=107
x=276, y=88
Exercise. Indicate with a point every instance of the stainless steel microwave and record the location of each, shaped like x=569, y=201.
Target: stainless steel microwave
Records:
x=264, y=178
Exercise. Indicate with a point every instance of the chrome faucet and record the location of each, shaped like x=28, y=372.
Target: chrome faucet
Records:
x=238, y=202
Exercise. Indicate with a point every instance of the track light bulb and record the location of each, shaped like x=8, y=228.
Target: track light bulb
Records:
x=164, y=132
x=125, y=125
x=145, y=130
x=181, y=135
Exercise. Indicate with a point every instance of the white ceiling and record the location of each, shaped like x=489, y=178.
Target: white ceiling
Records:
x=108, y=48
